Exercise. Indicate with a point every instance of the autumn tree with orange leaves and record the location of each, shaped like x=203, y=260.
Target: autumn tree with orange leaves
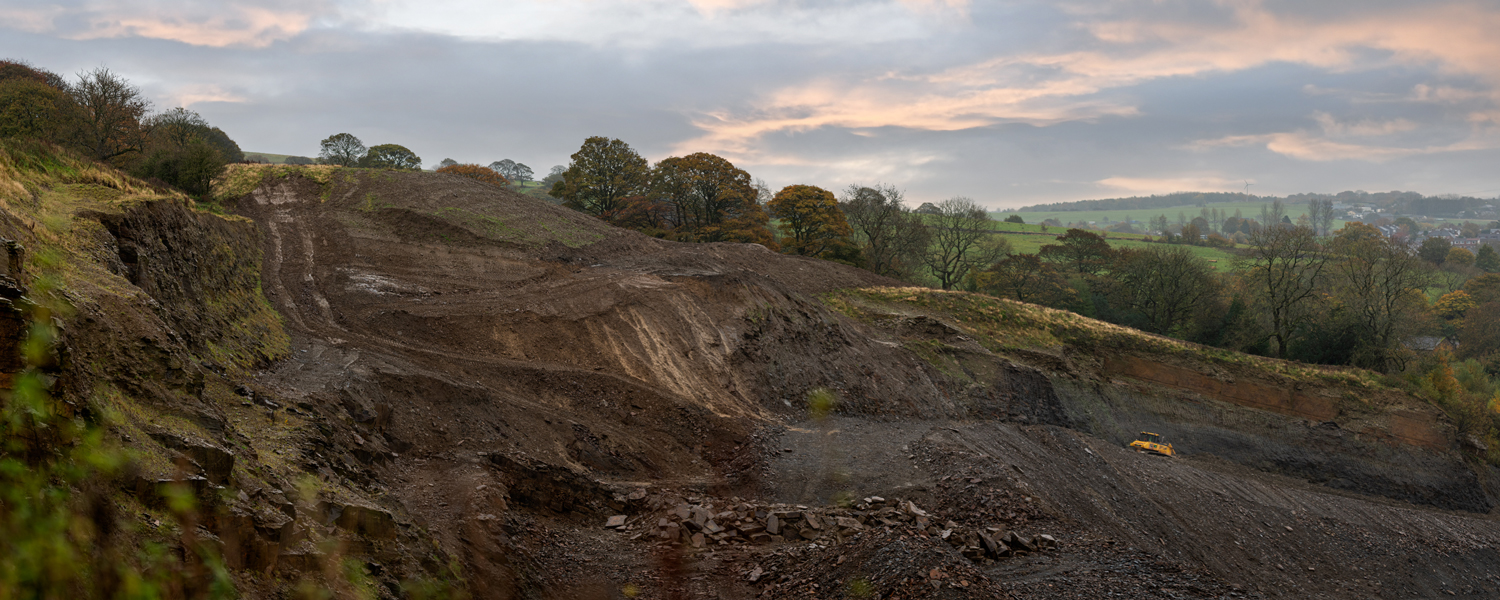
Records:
x=811, y=222
x=477, y=173
x=711, y=200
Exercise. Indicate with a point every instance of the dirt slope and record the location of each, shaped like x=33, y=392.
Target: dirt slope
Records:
x=501, y=375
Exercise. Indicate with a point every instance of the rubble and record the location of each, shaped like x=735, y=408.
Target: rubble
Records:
x=697, y=523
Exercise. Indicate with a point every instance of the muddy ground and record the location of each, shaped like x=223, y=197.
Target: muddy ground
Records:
x=502, y=375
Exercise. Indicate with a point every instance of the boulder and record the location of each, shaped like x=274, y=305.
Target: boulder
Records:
x=615, y=522
x=1019, y=542
x=812, y=521
x=368, y=521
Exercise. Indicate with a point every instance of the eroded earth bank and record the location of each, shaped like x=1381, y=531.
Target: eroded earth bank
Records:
x=480, y=388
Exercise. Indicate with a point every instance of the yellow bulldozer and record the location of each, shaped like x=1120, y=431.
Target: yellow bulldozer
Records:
x=1152, y=443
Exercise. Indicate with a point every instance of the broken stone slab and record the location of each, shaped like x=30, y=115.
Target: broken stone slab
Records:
x=1045, y=541
x=368, y=521
x=812, y=521
x=712, y=526
x=773, y=525
x=698, y=541
x=993, y=548
x=217, y=463
x=1019, y=542
x=615, y=522
x=752, y=529
x=848, y=523
x=912, y=509
x=760, y=538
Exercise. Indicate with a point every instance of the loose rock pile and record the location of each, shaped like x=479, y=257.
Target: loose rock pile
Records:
x=701, y=523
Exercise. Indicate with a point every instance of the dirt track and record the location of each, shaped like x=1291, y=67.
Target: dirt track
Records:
x=441, y=324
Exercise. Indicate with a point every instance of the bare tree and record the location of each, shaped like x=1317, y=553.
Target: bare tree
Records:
x=1320, y=210
x=342, y=149
x=1167, y=285
x=890, y=234
x=961, y=241
x=1285, y=265
x=112, y=112
x=1381, y=282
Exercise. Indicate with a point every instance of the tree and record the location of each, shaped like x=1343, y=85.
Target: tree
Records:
x=891, y=237
x=191, y=167
x=183, y=150
x=811, y=222
x=1015, y=219
x=603, y=173
x=1284, y=266
x=477, y=173
x=1459, y=257
x=1025, y=278
x=960, y=241
x=1168, y=287
x=13, y=69
x=1453, y=305
x=711, y=200
x=512, y=170
x=342, y=149
x=521, y=173
x=1435, y=249
x=1083, y=252
x=447, y=162
x=1480, y=333
x=111, y=111
x=1486, y=259
x=227, y=147
x=1380, y=284
x=1321, y=212
x=32, y=109
x=391, y=156
x=1484, y=288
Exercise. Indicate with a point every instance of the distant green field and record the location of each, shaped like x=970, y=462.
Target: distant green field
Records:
x=1247, y=209
x=1222, y=260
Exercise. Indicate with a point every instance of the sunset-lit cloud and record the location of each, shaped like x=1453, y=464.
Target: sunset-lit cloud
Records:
x=195, y=94
x=254, y=24
x=1044, y=88
x=1007, y=102
x=1167, y=185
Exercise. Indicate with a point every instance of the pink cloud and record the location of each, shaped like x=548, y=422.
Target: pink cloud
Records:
x=1046, y=88
x=218, y=25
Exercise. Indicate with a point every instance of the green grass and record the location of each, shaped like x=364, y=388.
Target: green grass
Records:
x=1249, y=210
x=1222, y=260
x=275, y=159
x=1003, y=325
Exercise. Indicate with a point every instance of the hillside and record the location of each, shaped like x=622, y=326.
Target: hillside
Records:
x=425, y=381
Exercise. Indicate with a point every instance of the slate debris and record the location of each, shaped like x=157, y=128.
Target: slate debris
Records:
x=704, y=522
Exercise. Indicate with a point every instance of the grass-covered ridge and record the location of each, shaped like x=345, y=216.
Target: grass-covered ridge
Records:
x=1003, y=325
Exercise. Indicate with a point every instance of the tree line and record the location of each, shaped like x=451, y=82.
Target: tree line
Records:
x=102, y=115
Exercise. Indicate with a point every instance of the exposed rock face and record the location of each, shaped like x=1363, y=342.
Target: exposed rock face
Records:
x=480, y=378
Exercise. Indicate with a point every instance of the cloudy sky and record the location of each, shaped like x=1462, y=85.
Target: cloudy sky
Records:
x=1007, y=102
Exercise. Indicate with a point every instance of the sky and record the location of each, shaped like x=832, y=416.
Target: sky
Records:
x=1009, y=103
